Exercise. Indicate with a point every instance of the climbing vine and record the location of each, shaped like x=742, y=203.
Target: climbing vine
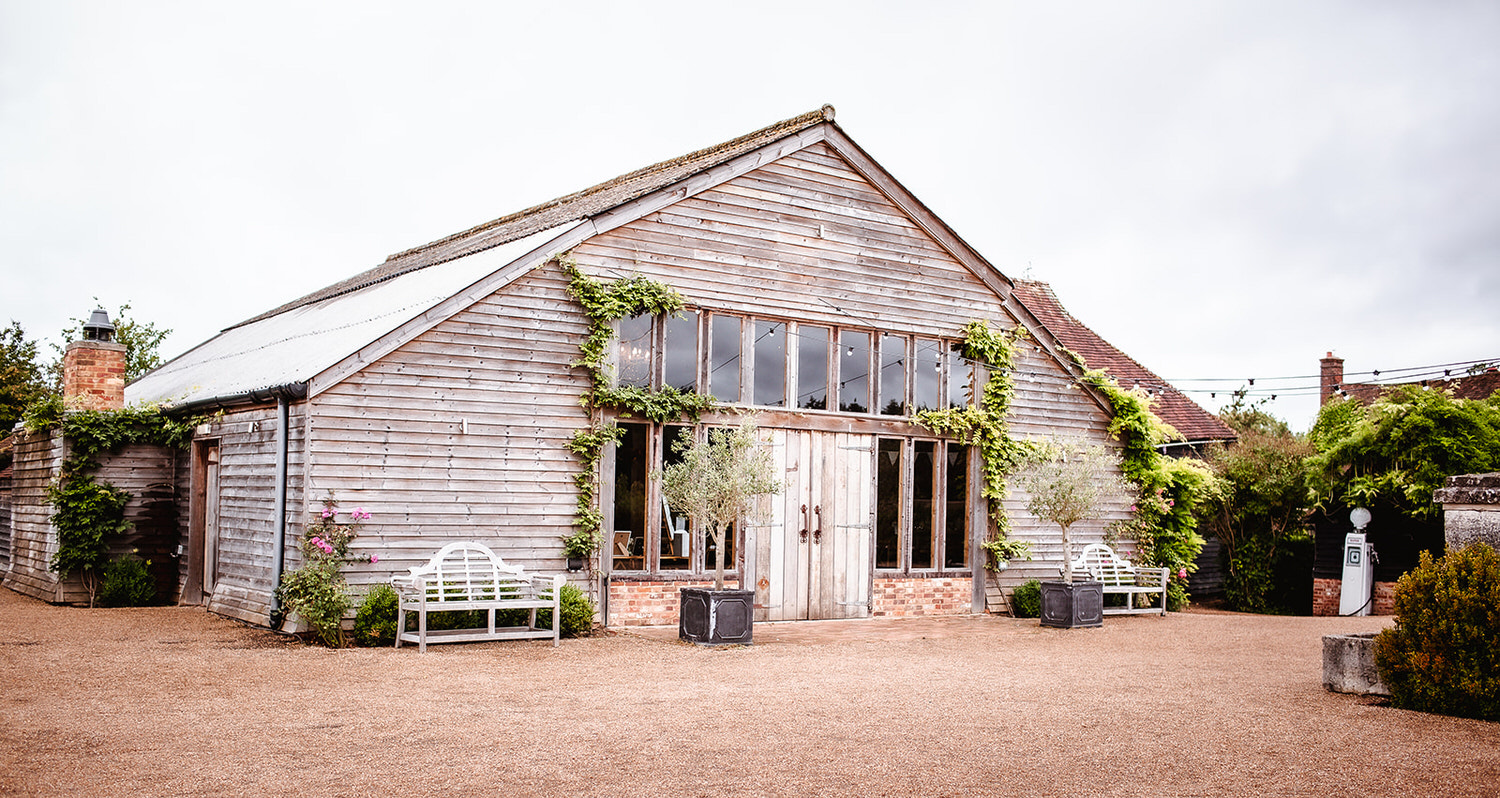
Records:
x=604, y=304
x=86, y=510
x=986, y=425
x=1170, y=489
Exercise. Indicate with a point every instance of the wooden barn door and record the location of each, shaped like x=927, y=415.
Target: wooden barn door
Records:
x=813, y=557
x=211, y=521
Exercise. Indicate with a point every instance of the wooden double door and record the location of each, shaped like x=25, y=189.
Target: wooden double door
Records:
x=813, y=542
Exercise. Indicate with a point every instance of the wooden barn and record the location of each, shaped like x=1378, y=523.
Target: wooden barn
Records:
x=438, y=391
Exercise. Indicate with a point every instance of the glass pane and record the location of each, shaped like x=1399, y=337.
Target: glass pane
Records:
x=888, y=504
x=682, y=351
x=634, y=351
x=770, y=364
x=960, y=377
x=812, y=368
x=724, y=359
x=956, y=509
x=709, y=564
x=892, y=375
x=922, y=506
x=627, y=541
x=927, y=374
x=854, y=371
x=676, y=537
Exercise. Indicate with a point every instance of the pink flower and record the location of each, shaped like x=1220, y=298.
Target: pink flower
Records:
x=1132, y=508
x=359, y=514
x=316, y=541
x=327, y=512
x=1171, y=503
x=374, y=558
x=1181, y=573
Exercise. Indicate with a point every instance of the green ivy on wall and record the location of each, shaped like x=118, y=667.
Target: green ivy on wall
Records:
x=87, y=511
x=986, y=425
x=605, y=303
x=1171, y=488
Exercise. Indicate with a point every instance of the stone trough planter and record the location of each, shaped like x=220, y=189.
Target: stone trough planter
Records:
x=1349, y=665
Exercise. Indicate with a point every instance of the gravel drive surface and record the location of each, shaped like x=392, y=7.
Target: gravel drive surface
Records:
x=175, y=701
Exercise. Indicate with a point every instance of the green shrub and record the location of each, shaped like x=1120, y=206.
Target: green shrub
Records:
x=375, y=621
x=127, y=582
x=1441, y=655
x=1026, y=601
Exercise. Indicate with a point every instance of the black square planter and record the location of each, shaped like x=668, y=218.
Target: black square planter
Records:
x=1072, y=604
x=715, y=617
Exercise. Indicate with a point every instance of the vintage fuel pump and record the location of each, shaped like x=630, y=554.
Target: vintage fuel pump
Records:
x=1359, y=567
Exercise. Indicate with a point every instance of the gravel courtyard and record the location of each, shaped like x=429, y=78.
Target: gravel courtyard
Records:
x=174, y=701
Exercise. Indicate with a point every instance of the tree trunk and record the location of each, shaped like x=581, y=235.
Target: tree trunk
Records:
x=718, y=557
x=1067, y=556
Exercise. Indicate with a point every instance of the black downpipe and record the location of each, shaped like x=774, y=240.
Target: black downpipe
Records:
x=278, y=546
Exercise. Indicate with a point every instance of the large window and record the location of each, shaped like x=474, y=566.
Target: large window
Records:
x=770, y=364
x=724, y=358
x=812, y=367
x=781, y=364
x=638, y=506
x=921, y=509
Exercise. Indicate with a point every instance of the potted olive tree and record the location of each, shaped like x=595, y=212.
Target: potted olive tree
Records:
x=1070, y=481
x=715, y=482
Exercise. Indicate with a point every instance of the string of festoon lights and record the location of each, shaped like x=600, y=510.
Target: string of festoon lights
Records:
x=1270, y=387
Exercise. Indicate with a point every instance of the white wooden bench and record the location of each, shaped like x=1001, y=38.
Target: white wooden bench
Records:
x=1102, y=565
x=469, y=576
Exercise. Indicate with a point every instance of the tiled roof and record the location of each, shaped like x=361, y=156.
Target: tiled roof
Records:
x=562, y=210
x=1476, y=386
x=1191, y=421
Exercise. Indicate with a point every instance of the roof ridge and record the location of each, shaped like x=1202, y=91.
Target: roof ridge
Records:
x=795, y=123
x=555, y=212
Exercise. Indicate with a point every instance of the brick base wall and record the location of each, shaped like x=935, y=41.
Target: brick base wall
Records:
x=909, y=597
x=1326, y=593
x=649, y=603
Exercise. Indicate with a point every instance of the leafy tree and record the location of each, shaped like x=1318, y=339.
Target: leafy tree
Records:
x=1398, y=450
x=142, y=341
x=21, y=379
x=1259, y=508
x=1069, y=481
x=716, y=480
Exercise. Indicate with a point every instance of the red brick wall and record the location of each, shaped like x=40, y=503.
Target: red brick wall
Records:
x=94, y=375
x=1326, y=594
x=649, y=603
x=907, y=597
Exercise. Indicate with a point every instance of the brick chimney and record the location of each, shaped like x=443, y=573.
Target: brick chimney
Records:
x=94, y=368
x=1331, y=376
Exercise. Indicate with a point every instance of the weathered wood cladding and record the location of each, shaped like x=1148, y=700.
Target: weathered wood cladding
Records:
x=460, y=434
x=37, y=457
x=807, y=238
x=5, y=505
x=247, y=506
x=147, y=473
x=143, y=471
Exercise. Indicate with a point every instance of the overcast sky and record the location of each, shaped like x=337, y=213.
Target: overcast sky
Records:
x=1222, y=190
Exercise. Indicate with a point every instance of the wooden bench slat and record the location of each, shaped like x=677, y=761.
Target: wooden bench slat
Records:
x=1101, y=563
x=468, y=576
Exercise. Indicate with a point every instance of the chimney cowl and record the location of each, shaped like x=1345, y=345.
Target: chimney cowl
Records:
x=98, y=327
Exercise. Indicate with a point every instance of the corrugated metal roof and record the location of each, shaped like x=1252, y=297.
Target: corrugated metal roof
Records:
x=298, y=344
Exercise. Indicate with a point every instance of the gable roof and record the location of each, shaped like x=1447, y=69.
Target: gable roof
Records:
x=1191, y=421
x=303, y=346
x=565, y=209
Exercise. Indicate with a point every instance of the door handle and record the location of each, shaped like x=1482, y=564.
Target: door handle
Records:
x=818, y=533
x=802, y=536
